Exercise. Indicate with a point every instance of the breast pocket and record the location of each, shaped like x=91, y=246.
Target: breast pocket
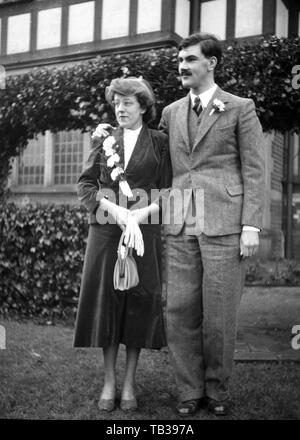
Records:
x=226, y=128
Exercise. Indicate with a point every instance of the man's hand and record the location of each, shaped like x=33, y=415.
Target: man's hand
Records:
x=249, y=243
x=102, y=130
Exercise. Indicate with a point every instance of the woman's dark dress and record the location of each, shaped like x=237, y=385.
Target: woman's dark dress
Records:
x=134, y=317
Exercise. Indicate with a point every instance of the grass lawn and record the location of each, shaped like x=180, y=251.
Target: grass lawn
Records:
x=43, y=377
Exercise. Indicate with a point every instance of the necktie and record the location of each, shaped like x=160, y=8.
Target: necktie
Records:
x=197, y=107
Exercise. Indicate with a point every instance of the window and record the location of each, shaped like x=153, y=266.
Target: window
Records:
x=182, y=18
x=81, y=22
x=248, y=19
x=149, y=16
x=48, y=30
x=213, y=18
x=31, y=163
x=68, y=157
x=18, y=36
x=282, y=19
x=115, y=18
x=51, y=160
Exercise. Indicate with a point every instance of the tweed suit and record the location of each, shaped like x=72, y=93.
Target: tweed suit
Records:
x=205, y=273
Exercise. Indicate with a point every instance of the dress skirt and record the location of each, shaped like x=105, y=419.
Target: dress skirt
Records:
x=107, y=316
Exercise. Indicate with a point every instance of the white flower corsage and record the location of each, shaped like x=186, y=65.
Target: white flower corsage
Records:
x=116, y=172
x=111, y=149
x=218, y=105
x=113, y=159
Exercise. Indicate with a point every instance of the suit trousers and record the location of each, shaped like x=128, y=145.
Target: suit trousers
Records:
x=205, y=278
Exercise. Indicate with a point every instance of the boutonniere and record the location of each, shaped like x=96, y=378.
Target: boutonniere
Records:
x=111, y=150
x=218, y=106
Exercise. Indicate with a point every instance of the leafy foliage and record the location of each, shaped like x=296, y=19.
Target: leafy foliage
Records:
x=41, y=257
x=73, y=97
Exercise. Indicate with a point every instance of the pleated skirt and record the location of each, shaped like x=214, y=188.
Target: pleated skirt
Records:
x=107, y=316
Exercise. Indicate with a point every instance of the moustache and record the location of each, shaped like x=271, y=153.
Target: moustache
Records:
x=185, y=73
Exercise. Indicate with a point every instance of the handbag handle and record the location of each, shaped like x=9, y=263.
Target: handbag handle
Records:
x=120, y=258
x=127, y=249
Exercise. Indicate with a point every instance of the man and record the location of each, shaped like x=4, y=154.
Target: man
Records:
x=217, y=158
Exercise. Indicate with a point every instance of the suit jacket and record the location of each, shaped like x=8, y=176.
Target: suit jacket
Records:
x=226, y=162
x=149, y=168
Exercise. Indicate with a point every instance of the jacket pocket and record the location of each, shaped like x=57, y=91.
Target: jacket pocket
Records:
x=235, y=190
x=230, y=127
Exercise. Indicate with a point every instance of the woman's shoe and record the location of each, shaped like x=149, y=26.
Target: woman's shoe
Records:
x=129, y=405
x=106, y=405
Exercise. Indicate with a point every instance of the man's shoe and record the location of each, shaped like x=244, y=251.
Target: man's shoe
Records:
x=188, y=407
x=218, y=408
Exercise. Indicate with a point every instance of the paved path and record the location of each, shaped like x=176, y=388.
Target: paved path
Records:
x=266, y=319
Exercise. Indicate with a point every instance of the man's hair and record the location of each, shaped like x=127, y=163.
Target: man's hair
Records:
x=209, y=43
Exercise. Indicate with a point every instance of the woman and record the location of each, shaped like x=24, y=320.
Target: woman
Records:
x=107, y=317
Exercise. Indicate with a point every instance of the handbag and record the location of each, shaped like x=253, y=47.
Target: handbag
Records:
x=125, y=272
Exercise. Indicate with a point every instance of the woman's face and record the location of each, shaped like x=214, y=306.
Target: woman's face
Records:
x=128, y=111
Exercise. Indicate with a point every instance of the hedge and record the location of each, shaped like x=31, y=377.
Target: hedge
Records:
x=41, y=258
x=72, y=97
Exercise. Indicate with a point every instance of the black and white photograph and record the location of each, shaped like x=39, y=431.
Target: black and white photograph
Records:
x=150, y=213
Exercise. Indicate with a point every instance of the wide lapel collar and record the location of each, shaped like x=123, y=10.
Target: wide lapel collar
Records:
x=209, y=119
x=182, y=119
x=144, y=140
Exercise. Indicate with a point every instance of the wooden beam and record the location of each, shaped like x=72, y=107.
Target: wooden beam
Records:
x=3, y=49
x=33, y=31
x=194, y=16
x=293, y=19
x=64, y=24
x=230, y=19
x=83, y=51
x=168, y=15
x=269, y=17
x=289, y=198
x=98, y=20
x=133, y=13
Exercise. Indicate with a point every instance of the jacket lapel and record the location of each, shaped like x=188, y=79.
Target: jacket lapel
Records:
x=138, y=151
x=182, y=120
x=208, y=120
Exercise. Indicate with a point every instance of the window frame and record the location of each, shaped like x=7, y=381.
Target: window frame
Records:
x=48, y=183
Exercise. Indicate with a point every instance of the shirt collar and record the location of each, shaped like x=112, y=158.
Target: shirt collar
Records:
x=205, y=97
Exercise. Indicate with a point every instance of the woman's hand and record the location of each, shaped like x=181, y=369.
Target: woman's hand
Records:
x=102, y=130
x=140, y=214
x=133, y=236
x=121, y=216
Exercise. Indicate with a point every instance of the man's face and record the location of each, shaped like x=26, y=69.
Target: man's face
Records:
x=193, y=67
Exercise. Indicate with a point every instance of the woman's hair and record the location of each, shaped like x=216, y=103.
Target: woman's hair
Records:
x=133, y=86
